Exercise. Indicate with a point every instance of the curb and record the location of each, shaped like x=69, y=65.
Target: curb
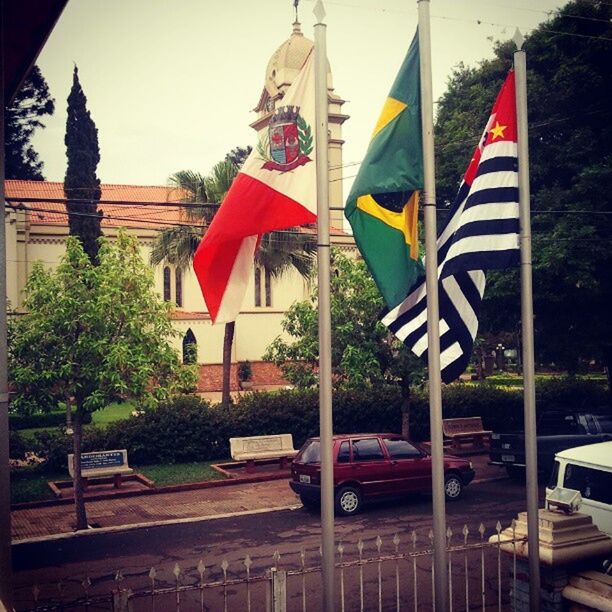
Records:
x=135, y=526
x=190, y=486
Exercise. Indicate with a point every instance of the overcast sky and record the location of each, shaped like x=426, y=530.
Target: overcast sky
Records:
x=171, y=84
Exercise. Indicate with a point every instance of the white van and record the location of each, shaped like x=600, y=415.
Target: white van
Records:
x=587, y=469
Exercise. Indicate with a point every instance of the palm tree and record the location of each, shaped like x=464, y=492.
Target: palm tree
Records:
x=278, y=251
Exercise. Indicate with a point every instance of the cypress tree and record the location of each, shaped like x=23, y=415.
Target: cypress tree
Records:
x=81, y=182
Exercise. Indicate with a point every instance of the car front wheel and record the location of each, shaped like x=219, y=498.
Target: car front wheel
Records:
x=348, y=501
x=453, y=487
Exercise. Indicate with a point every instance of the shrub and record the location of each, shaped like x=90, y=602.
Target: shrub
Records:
x=188, y=429
x=41, y=419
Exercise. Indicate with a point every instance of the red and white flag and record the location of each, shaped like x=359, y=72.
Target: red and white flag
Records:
x=275, y=189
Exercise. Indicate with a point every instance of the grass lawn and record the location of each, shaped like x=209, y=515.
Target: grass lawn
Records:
x=508, y=379
x=179, y=473
x=101, y=418
x=112, y=413
x=29, y=484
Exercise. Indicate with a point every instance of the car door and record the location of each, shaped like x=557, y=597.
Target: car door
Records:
x=410, y=468
x=370, y=466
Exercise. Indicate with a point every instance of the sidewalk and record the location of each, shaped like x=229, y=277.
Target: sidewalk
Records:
x=195, y=504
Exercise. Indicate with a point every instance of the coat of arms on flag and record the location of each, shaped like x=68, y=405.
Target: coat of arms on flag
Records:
x=275, y=189
x=290, y=139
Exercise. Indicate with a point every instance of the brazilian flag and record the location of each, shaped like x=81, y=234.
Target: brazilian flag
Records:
x=382, y=206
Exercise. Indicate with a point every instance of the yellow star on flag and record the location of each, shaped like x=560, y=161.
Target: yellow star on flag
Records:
x=498, y=130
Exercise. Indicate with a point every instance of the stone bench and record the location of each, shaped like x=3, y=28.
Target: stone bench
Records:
x=100, y=464
x=278, y=446
x=466, y=431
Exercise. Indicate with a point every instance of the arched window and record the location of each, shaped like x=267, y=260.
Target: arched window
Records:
x=268, y=287
x=263, y=294
x=257, y=285
x=178, y=282
x=190, y=348
x=166, y=284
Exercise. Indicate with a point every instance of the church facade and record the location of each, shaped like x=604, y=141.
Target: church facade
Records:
x=37, y=227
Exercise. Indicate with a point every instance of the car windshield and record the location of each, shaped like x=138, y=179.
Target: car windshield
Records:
x=310, y=453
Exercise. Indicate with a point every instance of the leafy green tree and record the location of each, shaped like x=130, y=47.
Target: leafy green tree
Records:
x=81, y=184
x=570, y=135
x=278, y=251
x=24, y=115
x=238, y=155
x=92, y=335
x=364, y=354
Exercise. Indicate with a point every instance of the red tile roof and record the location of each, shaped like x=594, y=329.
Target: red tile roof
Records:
x=184, y=315
x=121, y=214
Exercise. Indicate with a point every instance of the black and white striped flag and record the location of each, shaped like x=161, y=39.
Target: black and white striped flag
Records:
x=481, y=233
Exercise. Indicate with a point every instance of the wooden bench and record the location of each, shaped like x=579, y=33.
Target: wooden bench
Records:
x=99, y=464
x=279, y=446
x=466, y=431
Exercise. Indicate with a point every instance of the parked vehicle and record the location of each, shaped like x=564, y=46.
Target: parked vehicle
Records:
x=556, y=431
x=372, y=466
x=587, y=469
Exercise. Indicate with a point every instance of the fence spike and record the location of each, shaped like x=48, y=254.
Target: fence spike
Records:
x=152, y=573
x=224, y=565
x=303, y=557
x=35, y=592
x=498, y=527
x=378, y=543
x=413, y=535
x=176, y=571
x=481, y=530
x=431, y=537
x=276, y=556
x=396, y=541
x=119, y=576
x=340, y=549
x=86, y=583
x=360, y=546
x=248, y=562
x=201, y=569
x=449, y=533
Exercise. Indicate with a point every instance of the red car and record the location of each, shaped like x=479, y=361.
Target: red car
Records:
x=372, y=466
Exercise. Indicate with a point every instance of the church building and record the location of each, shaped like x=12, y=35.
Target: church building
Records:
x=37, y=227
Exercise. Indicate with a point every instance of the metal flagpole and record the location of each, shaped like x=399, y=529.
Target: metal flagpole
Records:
x=531, y=451
x=433, y=316
x=323, y=253
x=5, y=489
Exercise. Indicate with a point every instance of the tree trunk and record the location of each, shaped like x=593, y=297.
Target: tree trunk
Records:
x=68, y=417
x=405, y=388
x=79, y=499
x=227, y=362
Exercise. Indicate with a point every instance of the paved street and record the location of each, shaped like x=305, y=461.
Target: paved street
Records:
x=258, y=535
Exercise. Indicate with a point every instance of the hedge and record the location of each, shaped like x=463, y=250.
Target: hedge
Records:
x=191, y=429
x=41, y=419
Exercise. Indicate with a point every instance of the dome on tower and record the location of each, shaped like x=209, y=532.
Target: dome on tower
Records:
x=287, y=61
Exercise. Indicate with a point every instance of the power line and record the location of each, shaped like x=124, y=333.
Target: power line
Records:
x=477, y=21
x=193, y=227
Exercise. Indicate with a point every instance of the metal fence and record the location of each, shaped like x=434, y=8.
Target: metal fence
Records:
x=373, y=574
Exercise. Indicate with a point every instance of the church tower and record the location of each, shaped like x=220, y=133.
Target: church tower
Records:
x=283, y=67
